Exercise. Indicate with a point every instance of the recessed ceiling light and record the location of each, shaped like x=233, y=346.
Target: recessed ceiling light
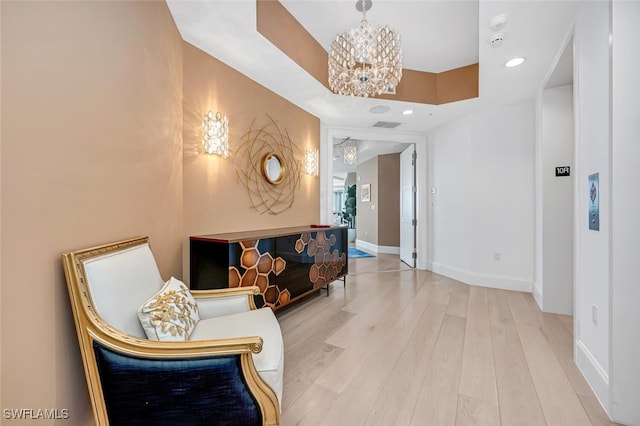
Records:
x=379, y=109
x=407, y=112
x=514, y=62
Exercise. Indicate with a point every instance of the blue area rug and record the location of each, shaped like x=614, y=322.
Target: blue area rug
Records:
x=355, y=253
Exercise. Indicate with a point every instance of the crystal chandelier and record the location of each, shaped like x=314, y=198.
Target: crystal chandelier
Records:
x=366, y=60
x=350, y=153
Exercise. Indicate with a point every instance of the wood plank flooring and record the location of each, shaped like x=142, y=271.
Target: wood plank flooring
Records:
x=399, y=346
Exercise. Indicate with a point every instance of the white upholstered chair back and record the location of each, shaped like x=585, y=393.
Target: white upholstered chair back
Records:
x=119, y=283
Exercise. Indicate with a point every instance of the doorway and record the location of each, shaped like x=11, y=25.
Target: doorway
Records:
x=328, y=164
x=556, y=252
x=374, y=201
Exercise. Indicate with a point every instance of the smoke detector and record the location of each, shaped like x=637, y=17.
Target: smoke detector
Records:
x=498, y=22
x=495, y=40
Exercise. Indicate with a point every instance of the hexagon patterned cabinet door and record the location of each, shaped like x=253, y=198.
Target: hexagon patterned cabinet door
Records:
x=284, y=265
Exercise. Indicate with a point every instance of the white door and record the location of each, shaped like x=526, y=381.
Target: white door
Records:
x=407, y=207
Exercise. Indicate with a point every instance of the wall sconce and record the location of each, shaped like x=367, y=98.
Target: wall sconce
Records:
x=311, y=158
x=215, y=139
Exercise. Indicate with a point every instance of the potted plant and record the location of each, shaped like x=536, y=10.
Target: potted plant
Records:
x=349, y=213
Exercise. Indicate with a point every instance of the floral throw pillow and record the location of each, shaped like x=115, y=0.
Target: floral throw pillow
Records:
x=171, y=314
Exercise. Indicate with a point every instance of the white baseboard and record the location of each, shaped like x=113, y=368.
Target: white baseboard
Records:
x=502, y=282
x=597, y=378
x=365, y=245
x=537, y=295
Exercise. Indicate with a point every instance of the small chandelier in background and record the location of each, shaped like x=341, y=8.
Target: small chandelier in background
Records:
x=366, y=60
x=350, y=153
x=215, y=139
x=311, y=157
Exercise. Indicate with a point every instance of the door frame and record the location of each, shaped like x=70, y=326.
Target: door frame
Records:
x=329, y=133
x=409, y=258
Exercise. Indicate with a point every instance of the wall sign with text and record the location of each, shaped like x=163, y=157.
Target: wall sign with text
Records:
x=563, y=171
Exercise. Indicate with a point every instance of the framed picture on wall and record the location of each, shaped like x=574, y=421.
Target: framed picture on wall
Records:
x=365, y=193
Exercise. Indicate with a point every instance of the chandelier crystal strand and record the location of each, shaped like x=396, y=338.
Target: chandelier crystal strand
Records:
x=366, y=60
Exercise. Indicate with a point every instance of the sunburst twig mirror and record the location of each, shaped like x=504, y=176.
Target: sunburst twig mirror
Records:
x=266, y=165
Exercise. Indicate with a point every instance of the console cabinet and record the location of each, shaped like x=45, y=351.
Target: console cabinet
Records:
x=286, y=263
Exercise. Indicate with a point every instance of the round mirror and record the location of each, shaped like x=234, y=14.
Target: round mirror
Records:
x=273, y=168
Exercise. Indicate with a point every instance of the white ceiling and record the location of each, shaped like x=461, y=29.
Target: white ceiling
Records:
x=436, y=35
x=428, y=43
x=367, y=149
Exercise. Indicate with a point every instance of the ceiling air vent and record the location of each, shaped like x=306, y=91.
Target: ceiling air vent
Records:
x=386, y=124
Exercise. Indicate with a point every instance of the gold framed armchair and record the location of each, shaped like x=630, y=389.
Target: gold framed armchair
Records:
x=228, y=372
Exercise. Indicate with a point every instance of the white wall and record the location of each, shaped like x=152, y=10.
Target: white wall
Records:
x=483, y=208
x=557, y=200
x=591, y=85
x=449, y=166
x=625, y=229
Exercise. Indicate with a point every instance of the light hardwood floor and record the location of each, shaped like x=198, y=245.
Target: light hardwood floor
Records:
x=405, y=347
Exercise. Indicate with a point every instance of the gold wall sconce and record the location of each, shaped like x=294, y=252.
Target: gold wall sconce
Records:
x=311, y=160
x=215, y=138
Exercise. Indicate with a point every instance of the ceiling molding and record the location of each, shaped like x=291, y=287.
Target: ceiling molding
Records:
x=278, y=26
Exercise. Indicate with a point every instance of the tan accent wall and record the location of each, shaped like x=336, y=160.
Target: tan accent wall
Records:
x=436, y=89
x=278, y=26
x=416, y=86
x=366, y=218
x=91, y=152
x=379, y=225
x=215, y=201
x=389, y=200
x=458, y=84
